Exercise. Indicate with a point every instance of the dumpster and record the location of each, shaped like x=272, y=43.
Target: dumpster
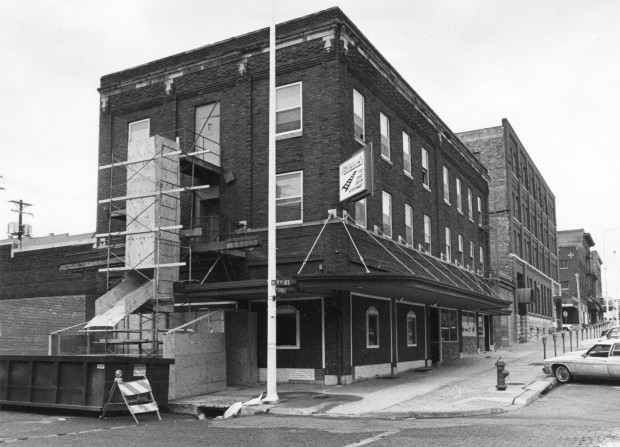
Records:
x=76, y=382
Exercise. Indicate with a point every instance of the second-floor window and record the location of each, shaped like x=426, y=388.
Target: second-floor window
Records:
x=288, y=109
x=459, y=197
x=207, y=128
x=384, y=123
x=358, y=116
x=479, y=211
x=427, y=233
x=461, y=254
x=470, y=205
x=408, y=224
x=360, y=213
x=407, y=154
x=425, y=172
x=448, y=245
x=387, y=214
x=289, y=197
x=446, y=185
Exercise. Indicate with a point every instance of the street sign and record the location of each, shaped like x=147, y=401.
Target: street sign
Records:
x=283, y=282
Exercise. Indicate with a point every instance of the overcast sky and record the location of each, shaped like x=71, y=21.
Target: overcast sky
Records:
x=551, y=67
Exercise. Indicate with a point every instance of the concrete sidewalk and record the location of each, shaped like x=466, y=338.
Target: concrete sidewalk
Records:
x=464, y=387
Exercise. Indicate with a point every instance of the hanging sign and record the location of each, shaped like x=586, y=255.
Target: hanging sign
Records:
x=356, y=176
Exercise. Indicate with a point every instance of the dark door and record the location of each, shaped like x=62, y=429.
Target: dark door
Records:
x=435, y=339
x=487, y=333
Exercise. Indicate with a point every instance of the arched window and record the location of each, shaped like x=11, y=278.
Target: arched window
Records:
x=412, y=329
x=287, y=327
x=372, y=328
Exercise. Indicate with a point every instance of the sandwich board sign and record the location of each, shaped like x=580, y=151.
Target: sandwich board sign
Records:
x=356, y=175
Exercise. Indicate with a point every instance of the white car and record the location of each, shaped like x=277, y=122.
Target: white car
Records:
x=613, y=332
x=601, y=361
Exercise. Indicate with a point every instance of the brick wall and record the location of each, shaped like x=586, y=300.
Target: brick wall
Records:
x=25, y=324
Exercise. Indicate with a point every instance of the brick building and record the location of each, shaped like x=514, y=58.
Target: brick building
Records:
x=579, y=278
x=36, y=298
x=522, y=226
x=389, y=282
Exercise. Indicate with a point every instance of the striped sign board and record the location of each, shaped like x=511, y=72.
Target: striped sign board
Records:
x=136, y=402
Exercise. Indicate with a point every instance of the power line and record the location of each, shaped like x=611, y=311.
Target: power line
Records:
x=20, y=210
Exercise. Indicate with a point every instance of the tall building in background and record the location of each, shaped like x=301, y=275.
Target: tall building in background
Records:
x=580, y=275
x=522, y=228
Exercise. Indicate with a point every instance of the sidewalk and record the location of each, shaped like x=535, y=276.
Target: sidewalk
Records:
x=464, y=387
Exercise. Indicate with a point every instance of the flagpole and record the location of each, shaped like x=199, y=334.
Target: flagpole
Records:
x=272, y=395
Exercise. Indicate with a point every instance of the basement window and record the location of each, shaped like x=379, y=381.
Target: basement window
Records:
x=287, y=327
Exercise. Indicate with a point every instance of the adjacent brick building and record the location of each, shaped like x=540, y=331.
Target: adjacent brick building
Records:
x=390, y=282
x=522, y=227
x=36, y=298
x=580, y=275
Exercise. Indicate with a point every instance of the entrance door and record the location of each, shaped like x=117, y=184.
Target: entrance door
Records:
x=487, y=333
x=435, y=339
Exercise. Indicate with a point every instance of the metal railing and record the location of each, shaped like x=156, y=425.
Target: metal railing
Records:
x=569, y=341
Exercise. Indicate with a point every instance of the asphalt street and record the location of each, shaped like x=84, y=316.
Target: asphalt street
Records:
x=578, y=414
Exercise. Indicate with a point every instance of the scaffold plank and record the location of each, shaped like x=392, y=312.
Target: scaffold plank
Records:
x=150, y=266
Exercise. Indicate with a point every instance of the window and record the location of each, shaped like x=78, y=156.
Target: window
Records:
x=446, y=185
x=479, y=211
x=461, y=256
x=289, y=192
x=288, y=109
x=287, y=327
x=412, y=330
x=427, y=233
x=407, y=154
x=563, y=264
x=408, y=224
x=360, y=212
x=358, y=116
x=448, y=245
x=387, y=214
x=384, y=124
x=139, y=130
x=470, y=205
x=372, y=328
x=207, y=128
x=425, y=179
x=448, y=325
x=482, y=260
x=564, y=284
x=472, y=251
x=459, y=197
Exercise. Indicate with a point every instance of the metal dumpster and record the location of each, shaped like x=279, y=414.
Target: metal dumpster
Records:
x=76, y=382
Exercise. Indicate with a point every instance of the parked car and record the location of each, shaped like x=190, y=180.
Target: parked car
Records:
x=601, y=361
x=611, y=333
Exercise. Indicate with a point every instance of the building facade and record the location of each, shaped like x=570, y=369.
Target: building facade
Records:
x=390, y=281
x=580, y=275
x=522, y=227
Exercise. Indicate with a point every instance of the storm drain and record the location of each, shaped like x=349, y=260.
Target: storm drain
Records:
x=211, y=412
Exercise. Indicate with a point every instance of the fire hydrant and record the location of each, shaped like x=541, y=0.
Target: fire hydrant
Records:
x=501, y=374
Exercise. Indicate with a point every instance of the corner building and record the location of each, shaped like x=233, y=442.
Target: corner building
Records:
x=522, y=227
x=390, y=282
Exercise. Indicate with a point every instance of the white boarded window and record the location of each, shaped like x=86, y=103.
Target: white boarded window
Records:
x=288, y=109
x=358, y=116
x=408, y=224
x=384, y=124
x=139, y=130
x=387, y=214
x=289, y=197
x=407, y=154
x=207, y=122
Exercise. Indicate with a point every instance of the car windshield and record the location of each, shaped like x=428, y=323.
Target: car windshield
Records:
x=613, y=333
x=598, y=351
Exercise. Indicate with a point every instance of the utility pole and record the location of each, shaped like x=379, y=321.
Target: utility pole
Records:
x=20, y=210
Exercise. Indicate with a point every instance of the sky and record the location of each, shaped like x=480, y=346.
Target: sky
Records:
x=551, y=67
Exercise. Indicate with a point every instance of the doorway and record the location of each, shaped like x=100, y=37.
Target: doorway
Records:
x=434, y=336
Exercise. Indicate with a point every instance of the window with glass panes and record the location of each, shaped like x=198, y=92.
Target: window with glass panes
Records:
x=384, y=124
x=407, y=154
x=358, y=116
x=448, y=252
x=425, y=172
x=288, y=109
x=446, y=185
x=360, y=212
x=408, y=224
x=387, y=214
x=289, y=197
x=427, y=233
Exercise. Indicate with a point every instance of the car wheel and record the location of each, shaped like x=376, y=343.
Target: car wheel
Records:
x=563, y=374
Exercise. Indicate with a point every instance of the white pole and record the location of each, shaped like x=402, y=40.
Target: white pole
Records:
x=272, y=395
x=581, y=317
